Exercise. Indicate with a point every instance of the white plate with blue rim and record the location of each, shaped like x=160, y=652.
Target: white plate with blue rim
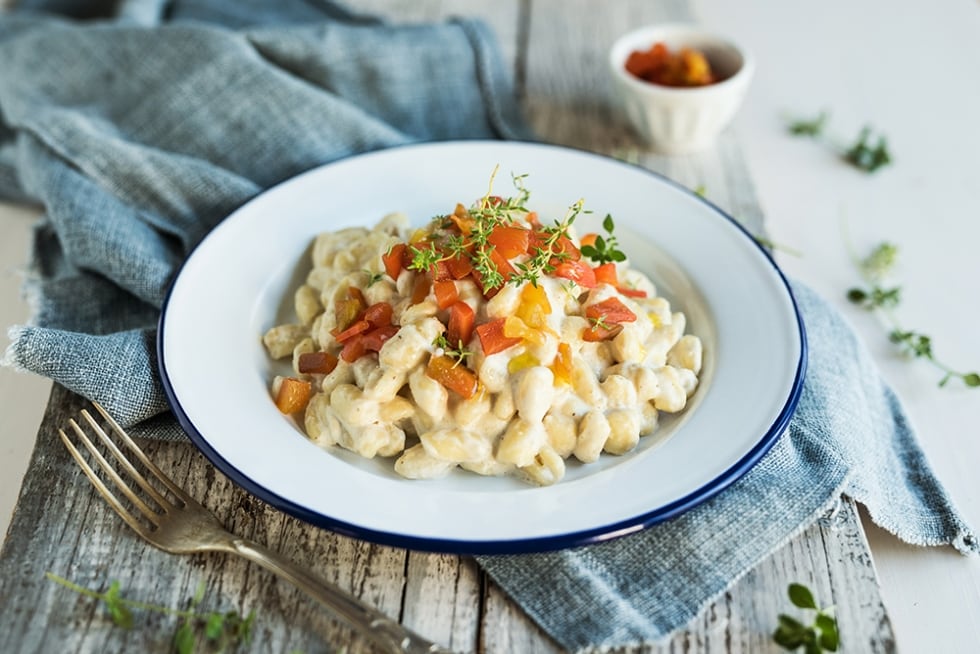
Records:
x=239, y=282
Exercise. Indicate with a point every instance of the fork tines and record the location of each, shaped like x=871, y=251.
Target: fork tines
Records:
x=109, y=469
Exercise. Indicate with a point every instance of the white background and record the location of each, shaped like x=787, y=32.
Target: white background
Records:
x=909, y=69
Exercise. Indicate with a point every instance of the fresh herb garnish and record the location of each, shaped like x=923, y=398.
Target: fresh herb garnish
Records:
x=861, y=154
x=819, y=636
x=481, y=219
x=425, y=258
x=876, y=296
x=605, y=249
x=486, y=215
x=457, y=352
x=813, y=127
x=550, y=251
x=373, y=277
x=220, y=630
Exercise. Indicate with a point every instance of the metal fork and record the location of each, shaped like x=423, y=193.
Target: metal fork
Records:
x=185, y=527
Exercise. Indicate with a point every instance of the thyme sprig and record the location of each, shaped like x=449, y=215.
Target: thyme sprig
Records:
x=875, y=295
x=861, y=154
x=819, y=636
x=810, y=127
x=221, y=630
x=482, y=218
x=459, y=351
x=542, y=262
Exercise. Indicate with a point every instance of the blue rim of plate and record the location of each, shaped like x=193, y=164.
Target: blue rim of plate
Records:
x=578, y=538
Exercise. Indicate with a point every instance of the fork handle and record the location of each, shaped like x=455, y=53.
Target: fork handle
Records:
x=365, y=618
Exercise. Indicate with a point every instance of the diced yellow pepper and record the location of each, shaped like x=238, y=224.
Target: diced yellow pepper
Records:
x=561, y=367
x=522, y=362
x=514, y=327
x=534, y=306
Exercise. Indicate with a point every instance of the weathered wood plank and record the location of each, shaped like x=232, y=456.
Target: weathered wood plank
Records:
x=442, y=598
x=91, y=546
x=503, y=17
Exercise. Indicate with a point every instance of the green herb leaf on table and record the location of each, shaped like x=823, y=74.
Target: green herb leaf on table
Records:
x=801, y=596
x=221, y=630
x=863, y=154
x=116, y=606
x=819, y=636
x=875, y=296
x=812, y=127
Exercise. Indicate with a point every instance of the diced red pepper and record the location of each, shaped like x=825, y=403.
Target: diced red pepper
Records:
x=294, y=395
x=535, y=240
x=631, y=292
x=357, y=327
x=461, y=320
x=320, y=363
x=394, y=260
x=503, y=265
x=509, y=241
x=440, y=271
x=459, y=267
x=577, y=271
x=610, y=310
x=606, y=274
x=564, y=245
x=421, y=289
x=606, y=318
x=378, y=314
x=374, y=339
x=446, y=293
x=599, y=332
x=492, y=337
x=354, y=348
x=453, y=375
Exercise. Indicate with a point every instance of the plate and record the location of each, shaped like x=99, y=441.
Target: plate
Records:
x=239, y=281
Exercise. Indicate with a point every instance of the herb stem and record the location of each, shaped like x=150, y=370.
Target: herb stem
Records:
x=874, y=297
x=122, y=600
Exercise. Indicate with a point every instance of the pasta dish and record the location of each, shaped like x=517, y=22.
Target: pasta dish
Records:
x=490, y=340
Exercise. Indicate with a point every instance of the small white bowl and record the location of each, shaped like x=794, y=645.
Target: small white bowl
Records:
x=680, y=120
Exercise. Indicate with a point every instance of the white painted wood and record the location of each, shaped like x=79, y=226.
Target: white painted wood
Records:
x=853, y=58
x=22, y=396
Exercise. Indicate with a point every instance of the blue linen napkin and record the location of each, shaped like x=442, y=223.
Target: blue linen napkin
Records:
x=139, y=134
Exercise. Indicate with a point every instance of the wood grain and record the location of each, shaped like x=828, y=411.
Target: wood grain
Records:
x=557, y=49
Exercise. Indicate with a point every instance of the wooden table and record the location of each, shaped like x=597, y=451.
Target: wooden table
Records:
x=557, y=49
